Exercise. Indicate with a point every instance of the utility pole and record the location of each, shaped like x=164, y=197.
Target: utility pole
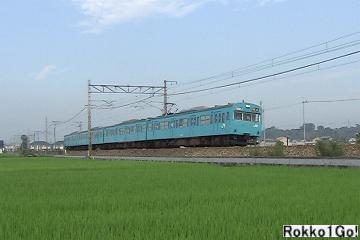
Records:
x=55, y=123
x=37, y=135
x=304, y=124
x=263, y=122
x=46, y=134
x=46, y=130
x=165, y=110
x=54, y=133
x=89, y=120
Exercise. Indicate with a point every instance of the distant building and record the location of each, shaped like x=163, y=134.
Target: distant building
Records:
x=58, y=146
x=352, y=141
x=324, y=138
x=284, y=140
x=39, y=146
x=44, y=146
x=12, y=147
x=2, y=146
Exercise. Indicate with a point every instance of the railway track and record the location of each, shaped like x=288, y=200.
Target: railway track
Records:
x=233, y=161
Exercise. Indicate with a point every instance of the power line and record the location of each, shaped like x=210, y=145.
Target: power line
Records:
x=284, y=77
x=72, y=118
x=272, y=60
x=127, y=104
x=274, y=79
x=283, y=62
x=333, y=100
x=269, y=75
x=282, y=107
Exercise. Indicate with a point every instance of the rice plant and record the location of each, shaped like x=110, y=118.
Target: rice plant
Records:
x=48, y=198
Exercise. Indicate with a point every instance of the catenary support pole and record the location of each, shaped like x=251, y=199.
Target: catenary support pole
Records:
x=89, y=121
x=165, y=111
x=304, y=124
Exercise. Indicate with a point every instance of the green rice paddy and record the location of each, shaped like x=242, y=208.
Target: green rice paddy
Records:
x=48, y=198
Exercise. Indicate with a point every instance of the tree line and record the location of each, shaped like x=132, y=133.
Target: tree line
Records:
x=342, y=134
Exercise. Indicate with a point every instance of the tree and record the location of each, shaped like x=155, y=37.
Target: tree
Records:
x=277, y=150
x=329, y=148
x=358, y=138
x=24, y=145
x=310, y=127
x=320, y=128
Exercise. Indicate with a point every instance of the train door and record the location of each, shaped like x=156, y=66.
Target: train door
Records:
x=146, y=129
x=171, y=127
x=218, y=122
x=192, y=125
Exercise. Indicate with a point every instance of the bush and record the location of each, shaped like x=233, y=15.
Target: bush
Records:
x=255, y=152
x=277, y=150
x=329, y=148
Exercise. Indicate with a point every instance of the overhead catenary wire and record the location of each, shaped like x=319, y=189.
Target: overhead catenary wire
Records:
x=268, y=75
x=125, y=105
x=72, y=118
x=272, y=60
x=275, y=64
x=311, y=101
x=332, y=100
x=271, y=80
x=254, y=83
x=144, y=100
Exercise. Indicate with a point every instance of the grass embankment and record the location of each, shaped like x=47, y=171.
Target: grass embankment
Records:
x=47, y=198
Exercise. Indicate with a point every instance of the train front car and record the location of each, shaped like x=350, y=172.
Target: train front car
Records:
x=246, y=124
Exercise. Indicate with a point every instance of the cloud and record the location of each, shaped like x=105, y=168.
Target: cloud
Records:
x=103, y=13
x=45, y=71
x=265, y=2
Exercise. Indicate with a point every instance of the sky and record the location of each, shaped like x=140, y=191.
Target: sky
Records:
x=51, y=48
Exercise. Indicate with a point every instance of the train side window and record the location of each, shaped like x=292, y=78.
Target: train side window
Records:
x=238, y=115
x=181, y=123
x=211, y=119
x=197, y=121
x=177, y=123
x=185, y=122
x=205, y=120
x=166, y=125
x=138, y=128
x=156, y=126
x=223, y=117
x=216, y=118
x=253, y=117
x=227, y=116
x=247, y=117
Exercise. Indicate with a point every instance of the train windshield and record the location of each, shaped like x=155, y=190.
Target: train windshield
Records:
x=244, y=116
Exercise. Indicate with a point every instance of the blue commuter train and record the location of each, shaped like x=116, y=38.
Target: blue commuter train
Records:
x=228, y=125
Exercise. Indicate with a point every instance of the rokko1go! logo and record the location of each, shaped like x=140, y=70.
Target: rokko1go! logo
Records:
x=320, y=231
